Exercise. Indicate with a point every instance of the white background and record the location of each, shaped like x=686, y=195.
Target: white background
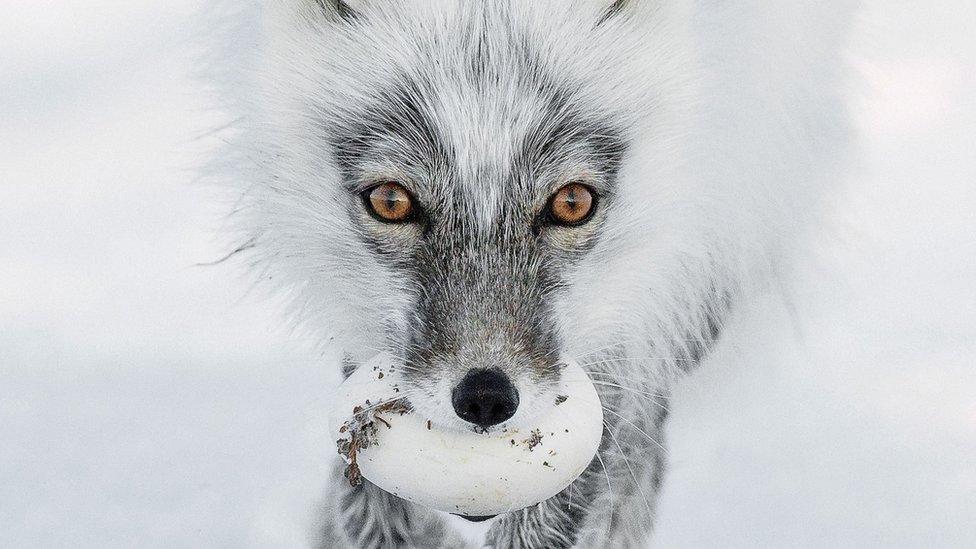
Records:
x=148, y=402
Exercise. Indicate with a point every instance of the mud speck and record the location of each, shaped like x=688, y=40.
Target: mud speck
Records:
x=535, y=439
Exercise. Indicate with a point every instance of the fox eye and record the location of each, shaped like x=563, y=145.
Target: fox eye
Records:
x=390, y=202
x=572, y=205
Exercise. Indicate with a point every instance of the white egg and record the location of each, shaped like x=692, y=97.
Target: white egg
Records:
x=458, y=470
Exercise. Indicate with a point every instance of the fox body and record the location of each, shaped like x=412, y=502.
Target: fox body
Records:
x=703, y=134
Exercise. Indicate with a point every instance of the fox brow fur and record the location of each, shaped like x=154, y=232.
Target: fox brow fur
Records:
x=735, y=131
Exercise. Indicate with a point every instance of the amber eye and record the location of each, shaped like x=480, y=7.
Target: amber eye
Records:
x=390, y=202
x=572, y=205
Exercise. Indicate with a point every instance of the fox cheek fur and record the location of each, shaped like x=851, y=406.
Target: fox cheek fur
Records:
x=709, y=132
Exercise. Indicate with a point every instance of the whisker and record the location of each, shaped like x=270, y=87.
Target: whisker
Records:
x=609, y=491
x=572, y=490
x=613, y=360
x=618, y=377
x=597, y=350
x=627, y=462
x=635, y=426
x=651, y=397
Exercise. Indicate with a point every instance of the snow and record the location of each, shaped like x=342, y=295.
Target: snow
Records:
x=145, y=401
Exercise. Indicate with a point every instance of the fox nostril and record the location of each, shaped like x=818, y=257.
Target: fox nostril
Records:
x=485, y=398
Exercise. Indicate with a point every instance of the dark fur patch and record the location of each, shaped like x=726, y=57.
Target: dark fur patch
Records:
x=612, y=11
x=338, y=8
x=396, y=116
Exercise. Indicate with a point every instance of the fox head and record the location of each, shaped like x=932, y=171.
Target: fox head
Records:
x=485, y=189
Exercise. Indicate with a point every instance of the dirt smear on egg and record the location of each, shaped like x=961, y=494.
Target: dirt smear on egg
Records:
x=360, y=433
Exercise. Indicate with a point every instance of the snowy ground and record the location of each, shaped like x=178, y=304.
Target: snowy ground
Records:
x=145, y=402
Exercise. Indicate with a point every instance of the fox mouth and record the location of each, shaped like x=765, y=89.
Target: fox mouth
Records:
x=385, y=438
x=480, y=518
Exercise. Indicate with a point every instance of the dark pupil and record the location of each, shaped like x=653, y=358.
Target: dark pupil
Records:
x=571, y=202
x=391, y=199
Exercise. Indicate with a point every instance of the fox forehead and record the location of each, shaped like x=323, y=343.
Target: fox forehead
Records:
x=476, y=110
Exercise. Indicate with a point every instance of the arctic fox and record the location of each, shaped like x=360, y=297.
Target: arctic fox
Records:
x=482, y=186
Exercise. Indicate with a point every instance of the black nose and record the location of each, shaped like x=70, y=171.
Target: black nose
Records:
x=485, y=398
